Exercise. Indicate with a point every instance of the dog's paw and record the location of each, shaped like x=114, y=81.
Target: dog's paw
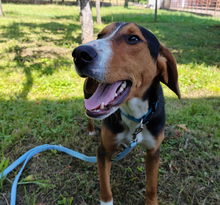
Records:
x=91, y=133
x=107, y=203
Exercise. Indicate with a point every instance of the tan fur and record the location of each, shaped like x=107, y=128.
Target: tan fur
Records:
x=90, y=126
x=162, y=66
x=152, y=166
x=126, y=63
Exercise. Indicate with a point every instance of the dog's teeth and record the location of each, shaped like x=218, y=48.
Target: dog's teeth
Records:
x=121, y=90
x=116, y=95
x=124, y=84
x=102, y=106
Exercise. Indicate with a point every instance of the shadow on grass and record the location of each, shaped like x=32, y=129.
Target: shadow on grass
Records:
x=54, y=57
x=24, y=53
x=14, y=31
x=44, y=67
x=26, y=124
x=185, y=35
x=192, y=38
x=44, y=16
x=16, y=114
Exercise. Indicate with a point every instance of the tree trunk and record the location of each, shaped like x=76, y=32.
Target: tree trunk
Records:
x=155, y=15
x=86, y=21
x=1, y=11
x=126, y=3
x=99, y=21
x=80, y=12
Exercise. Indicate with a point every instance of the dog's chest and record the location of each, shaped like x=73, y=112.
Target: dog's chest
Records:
x=135, y=108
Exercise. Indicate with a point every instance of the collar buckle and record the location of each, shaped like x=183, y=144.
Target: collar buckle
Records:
x=137, y=131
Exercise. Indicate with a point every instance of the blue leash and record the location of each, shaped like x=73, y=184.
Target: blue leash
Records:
x=28, y=155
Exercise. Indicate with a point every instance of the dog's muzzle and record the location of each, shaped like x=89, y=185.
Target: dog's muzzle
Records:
x=90, y=62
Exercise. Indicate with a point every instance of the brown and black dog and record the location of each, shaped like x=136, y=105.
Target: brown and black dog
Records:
x=123, y=70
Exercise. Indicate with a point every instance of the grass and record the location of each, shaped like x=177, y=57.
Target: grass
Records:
x=41, y=101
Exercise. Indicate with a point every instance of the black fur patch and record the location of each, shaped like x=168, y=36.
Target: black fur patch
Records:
x=114, y=123
x=157, y=121
x=152, y=42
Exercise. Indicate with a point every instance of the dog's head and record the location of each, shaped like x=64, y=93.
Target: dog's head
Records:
x=122, y=64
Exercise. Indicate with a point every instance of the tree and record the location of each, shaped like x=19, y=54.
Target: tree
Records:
x=1, y=11
x=126, y=3
x=86, y=20
x=99, y=21
x=155, y=15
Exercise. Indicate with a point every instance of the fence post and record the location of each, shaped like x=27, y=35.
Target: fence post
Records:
x=216, y=6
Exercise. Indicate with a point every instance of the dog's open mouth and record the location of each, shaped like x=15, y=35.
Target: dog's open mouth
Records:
x=106, y=98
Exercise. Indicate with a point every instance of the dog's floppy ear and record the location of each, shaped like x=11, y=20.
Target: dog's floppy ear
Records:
x=166, y=64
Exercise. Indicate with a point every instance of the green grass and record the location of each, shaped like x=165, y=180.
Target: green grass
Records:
x=41, y=101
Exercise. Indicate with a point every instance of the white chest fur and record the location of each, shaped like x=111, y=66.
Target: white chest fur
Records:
x=136, y=108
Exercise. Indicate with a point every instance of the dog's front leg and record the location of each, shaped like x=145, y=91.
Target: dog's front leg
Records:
x=152, y=166
x=90, y=127
x=104, y=168
x=106, y=149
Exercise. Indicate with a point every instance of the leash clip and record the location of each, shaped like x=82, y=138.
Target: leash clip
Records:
x=137, y=131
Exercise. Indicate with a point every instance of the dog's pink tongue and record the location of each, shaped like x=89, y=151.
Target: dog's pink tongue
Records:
x=104, y=93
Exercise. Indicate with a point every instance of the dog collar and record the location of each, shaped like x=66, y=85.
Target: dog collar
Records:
x=145, y=118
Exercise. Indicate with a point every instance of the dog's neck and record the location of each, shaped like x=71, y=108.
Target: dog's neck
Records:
x=135, y=107
x=139, y=107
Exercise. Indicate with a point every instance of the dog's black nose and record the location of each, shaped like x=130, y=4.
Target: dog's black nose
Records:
x=84, y=55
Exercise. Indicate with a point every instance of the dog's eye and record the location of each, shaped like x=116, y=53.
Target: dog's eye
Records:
x=133, y=39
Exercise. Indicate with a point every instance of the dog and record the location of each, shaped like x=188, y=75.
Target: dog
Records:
x=123, y=70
